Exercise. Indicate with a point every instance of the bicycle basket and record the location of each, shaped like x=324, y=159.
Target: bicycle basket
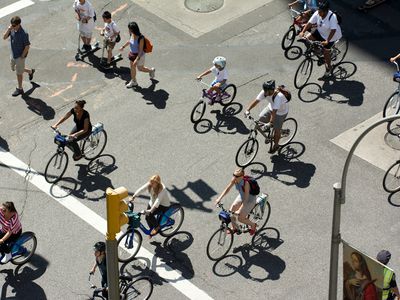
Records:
x=134, y=218
x=60, y=140
x=224, y=217
x=396, y=76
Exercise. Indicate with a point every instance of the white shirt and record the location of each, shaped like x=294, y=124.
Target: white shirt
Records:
x=161, y=199
x=110, y=29
x=85, y=10
x=280, y=103
x=219, y=75
x=324, y=26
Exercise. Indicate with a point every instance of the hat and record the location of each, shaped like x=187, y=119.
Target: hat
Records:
x=383, y=256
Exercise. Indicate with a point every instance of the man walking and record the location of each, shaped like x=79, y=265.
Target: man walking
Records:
x=19, y=40
x=390, y=290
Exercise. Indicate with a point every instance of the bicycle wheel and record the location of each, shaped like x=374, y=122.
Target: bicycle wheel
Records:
x=288, y=38
x=220, y=243
x=172, y=220
x=247, y=152
x=392, y=105
x=391, y=180
x=140, y=289
x=394, y=127
x=340, y=50
x=56, y=167
x=303, y=73
x=260, y=215
x=94, y=145
x=288, y=131
x=198, y=111
x=228, y=94
x=128, y=245
x=24, y=248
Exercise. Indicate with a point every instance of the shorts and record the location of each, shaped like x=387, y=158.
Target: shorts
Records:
x=132, y=57
x=247, y=206
x=317, y=36
x=215, y=82
x=85, y=34
x=18, y=65
x=265, y=116
x=109, y=45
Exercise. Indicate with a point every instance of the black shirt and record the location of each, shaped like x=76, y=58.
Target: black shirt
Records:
x=103, y=271
x=80, y=123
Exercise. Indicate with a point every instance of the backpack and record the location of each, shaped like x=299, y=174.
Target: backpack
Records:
x=254, y=187
x=338, y=17
x=148, y=46
x=94, y=17
x=118, y=38
x=282, y=89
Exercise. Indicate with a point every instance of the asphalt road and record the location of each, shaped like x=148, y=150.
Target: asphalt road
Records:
x=149, y=131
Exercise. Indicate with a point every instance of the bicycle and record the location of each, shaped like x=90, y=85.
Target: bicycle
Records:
x=221, y=240
x=392, y=105
x=140, y=288
x=23, y=248
x=248, y=150
x=315, y=53
x=225, y=97
x=91, y=148
x=131, y=240
x=293, y=31
x=391, y=179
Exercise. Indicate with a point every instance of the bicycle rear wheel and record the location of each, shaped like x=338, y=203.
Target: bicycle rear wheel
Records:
x=172, y=220
x=288, y=38
x=303, y=73
x=94, y=145
x=198, y=111
x=220, y=243
x=128, y=245
x=391, y=180
x=288, y=131
x=24, y=248
x=246, y=152
x=392, y=105
x=139, y=289
x=228, y=94
x=260, y=215
x=56, y=167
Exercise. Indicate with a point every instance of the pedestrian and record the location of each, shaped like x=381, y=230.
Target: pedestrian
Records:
x=85, y=15
x=110, y=33
x=136, y=54
x=390, y=290
x=19, y=41
x=101, y=263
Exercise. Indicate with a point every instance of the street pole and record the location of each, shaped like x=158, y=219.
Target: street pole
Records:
x=112, y=268
x=339, y=200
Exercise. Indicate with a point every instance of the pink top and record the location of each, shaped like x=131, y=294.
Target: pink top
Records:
x=13, y=225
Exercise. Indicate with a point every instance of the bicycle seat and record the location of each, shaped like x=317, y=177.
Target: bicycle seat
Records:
x=125, y=277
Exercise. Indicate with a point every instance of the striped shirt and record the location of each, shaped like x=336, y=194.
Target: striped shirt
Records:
x=13, y=225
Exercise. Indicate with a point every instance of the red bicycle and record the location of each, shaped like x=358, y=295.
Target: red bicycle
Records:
x=294, y=29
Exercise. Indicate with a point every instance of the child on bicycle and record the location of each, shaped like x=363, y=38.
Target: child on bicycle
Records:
x=101, y=263
x=221, y=76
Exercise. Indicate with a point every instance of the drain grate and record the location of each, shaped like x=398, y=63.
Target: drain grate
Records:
x=203, y=6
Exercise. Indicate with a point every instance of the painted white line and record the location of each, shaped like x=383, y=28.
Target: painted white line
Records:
x=9, y=9
x=172, y=276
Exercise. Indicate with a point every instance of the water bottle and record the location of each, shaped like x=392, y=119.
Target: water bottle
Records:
x=97, y=128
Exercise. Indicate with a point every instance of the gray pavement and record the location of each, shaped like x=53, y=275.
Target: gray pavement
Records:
x=149, y=132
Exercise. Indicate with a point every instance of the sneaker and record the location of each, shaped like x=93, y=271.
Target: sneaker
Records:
x=31, y=75
x=152, y=73
x=274, y=149
x=77, y=157
x=6, y=258
x=87, y=47
x=17, y=92
x=155, y=231
x=131, y=84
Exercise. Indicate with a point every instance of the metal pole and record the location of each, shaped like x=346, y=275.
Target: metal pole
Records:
x=339, y=199
x=112, y=268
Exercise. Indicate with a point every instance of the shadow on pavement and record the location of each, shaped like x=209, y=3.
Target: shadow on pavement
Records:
x=256, y=170
x=158, y=98
x=4, y=145
x=38, y=106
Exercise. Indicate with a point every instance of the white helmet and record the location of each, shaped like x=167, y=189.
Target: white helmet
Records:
x=220, y=61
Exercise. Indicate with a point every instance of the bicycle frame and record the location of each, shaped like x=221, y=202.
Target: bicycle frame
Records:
x=398, y=70
x=257, y=128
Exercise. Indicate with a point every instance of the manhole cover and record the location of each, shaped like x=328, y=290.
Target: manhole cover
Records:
x=204, y=6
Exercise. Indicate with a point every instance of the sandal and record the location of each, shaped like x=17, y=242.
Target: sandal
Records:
x=253, y=229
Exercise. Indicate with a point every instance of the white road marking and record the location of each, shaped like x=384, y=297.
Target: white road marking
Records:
x=172, y=276
x=9, y=9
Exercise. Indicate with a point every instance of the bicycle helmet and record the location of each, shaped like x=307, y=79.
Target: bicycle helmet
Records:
x=324, y=6
x=269, y=85
x=100, y=246
x=383, y=256
x=220, y=61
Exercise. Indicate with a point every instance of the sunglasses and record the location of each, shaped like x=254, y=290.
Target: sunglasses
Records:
x=236, y=176
x=14, y=25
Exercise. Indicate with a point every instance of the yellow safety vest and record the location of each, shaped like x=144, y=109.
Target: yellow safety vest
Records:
x=387, y=278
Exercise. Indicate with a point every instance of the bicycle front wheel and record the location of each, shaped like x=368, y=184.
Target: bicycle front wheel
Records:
x=128, y=245
x=94, y=145
x=303, y=73
x=247, y=152
x=198, y=112
x=24, y=248
x=220, y=243
x=260, y=215
x=56, y=167
x=392, y=105
x=139, y=289
x=288, y=38
x=391, y=180
x=228, y=94
x=288, y=131
x=172, y=220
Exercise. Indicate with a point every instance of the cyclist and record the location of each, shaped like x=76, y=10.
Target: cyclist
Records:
x=328, y=32
x=276, y=111
x=244, y=202
x=101, y=262
x=158, y=204
x=10, y=229
x=220, y=73
x=81, y=130
x=309, y=7
x=394, y=58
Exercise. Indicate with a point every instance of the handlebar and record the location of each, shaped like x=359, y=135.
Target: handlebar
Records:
x=294, y=13
x=397, y=65
x=220, y=205
x=131, y=207
x=202, y=82
x=55, y=130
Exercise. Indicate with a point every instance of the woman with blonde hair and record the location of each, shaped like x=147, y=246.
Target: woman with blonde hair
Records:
x=159, y=201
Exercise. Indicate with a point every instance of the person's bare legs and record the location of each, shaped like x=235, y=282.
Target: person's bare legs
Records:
x=235, y=207
x=277, y=137
x=109, y=55
x=133, y=71
x=144, y=69
x=327, y=57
